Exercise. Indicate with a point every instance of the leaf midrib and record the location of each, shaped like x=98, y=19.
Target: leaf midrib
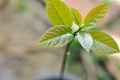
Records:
x=55, y=37
x=58, y=13
x=91, y=20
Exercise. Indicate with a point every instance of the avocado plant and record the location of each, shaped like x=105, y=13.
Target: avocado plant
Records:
x=62, y=34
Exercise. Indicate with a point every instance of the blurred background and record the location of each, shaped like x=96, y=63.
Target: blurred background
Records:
x=22, y=22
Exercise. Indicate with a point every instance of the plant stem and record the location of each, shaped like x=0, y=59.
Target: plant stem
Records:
x=63, y=63
x=65, y=57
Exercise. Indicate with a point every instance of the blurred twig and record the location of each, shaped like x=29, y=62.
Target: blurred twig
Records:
x=42, y=2
x=89, y=65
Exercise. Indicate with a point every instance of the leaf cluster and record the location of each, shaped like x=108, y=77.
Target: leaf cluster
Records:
x=63, y=17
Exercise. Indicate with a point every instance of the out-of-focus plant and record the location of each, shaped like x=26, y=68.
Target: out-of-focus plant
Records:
x=20, y=4
x=62, y=34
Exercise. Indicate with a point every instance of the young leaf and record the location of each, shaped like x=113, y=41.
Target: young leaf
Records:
x=59, y=13
x=76, y=17
x=100, y=48
x=96, y=14
x=103, y=43
x=56, y=37
x=85, y=40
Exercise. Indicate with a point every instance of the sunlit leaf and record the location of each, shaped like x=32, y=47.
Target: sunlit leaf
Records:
x=85, y=40
x=100, y=48
x=103, y=43
x=56, y=37
x=76, y=16
x=96, y=14
x=59, y=13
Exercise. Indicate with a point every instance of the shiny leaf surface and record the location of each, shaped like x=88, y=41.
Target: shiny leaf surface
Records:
x=56, y=37
x=59, y=13
x=85, y=40
x=96, y=14
x=103, y=43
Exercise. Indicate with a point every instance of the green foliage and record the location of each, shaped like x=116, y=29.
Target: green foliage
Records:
x=76, y=17
x=60, y=14
x=96, y=14
x=103, y=43
x=56, y=37
x=85, y=40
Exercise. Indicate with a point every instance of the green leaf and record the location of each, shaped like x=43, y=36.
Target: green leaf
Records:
x=56, y=37
x=100, y=48
x=103, y=43
x=59, y=13
x=85, y=40
x=76, y=16
x=96, y=14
